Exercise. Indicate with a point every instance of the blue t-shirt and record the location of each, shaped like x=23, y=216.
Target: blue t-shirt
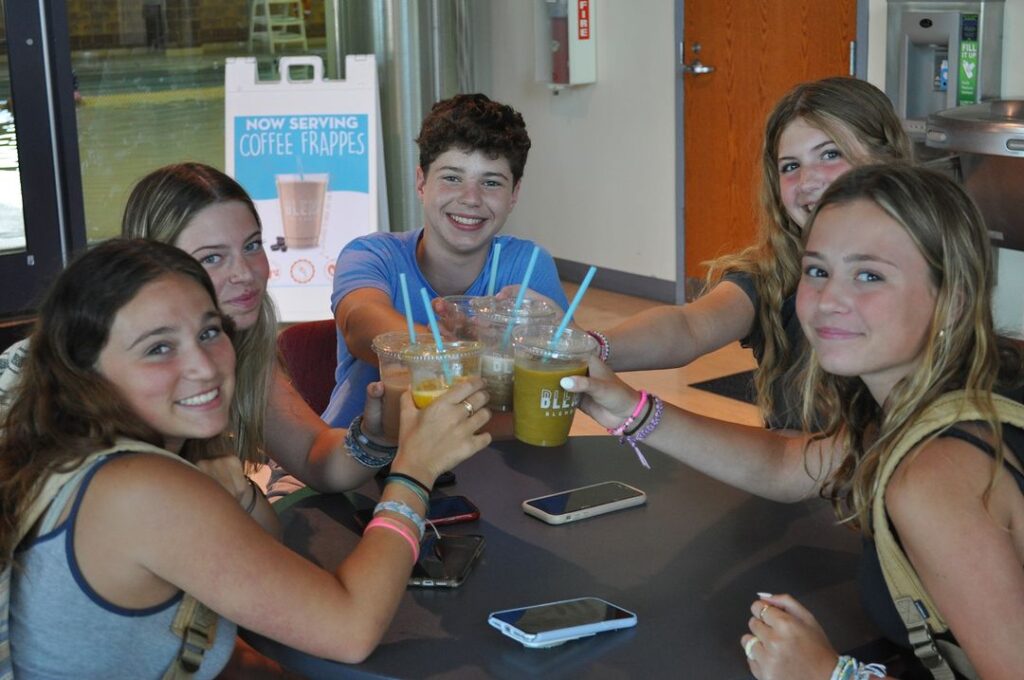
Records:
x=375, y=261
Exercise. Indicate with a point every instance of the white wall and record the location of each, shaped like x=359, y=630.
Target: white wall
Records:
x=600, y=182
x=1007, y=307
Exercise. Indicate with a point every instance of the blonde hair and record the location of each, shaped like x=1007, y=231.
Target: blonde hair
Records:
x=860, y=119
x=962, y=350
x=159, y=208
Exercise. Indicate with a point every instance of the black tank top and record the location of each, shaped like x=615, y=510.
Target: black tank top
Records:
x=874, y=593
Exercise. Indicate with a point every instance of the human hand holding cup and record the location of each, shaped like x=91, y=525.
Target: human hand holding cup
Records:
x=542, y=409
x=444, y=433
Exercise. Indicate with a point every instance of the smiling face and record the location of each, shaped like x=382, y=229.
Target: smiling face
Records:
x=227, y=241
x=170, y=360
x=809, y=160
x=866, y=298
x=466, y=199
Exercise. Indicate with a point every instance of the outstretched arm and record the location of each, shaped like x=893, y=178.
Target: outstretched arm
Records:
x=307, y=447
x=670, y=336
x=764, y=462
x=154, y=507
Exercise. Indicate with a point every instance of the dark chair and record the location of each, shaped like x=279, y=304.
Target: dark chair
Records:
x=310, y=354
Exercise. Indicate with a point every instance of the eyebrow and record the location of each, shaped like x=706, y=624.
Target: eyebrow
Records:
x=220, y=246
x=455, y=168
x=163, y=330
x=816, y=147
x=856, y=257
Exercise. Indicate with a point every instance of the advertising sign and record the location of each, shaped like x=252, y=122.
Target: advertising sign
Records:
x=309, y=153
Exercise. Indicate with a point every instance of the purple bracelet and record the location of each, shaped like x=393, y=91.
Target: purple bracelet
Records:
x=645, y=431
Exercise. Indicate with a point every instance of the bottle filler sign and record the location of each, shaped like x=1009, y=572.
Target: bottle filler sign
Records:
x=967, y=80
x=308, y=152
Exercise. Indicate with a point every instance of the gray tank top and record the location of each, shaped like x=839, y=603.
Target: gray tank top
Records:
x=62, y=628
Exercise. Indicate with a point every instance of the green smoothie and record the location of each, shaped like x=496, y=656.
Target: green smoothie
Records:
x=543, y=411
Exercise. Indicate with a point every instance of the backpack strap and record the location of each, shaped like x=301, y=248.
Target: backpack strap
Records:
x=913, y=603
x=194, y=622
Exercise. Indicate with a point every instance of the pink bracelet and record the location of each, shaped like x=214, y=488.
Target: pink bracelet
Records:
x=398, y=528
x=629, y=421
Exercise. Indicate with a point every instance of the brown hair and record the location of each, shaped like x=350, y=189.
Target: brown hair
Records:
x=63, y=409
x=861, y=121
x=472, y=122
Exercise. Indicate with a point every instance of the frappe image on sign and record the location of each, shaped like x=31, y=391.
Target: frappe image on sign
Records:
x=302, y=198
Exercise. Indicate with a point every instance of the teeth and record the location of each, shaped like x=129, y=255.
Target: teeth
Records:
x=200, y=399
x=468, y=221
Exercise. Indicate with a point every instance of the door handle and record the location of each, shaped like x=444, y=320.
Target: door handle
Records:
x=697, y=68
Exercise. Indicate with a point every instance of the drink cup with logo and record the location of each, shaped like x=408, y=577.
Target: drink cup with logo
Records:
x=491, y=319
x=394, y=375
x=302, y=200
x=542, y=410
x=432, y=372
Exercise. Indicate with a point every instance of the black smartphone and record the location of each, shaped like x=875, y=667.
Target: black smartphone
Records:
x=443, y=510
x=445, y=562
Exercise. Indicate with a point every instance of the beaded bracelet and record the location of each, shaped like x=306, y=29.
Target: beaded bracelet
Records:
x=645, y=431
x=604, y=349
x=629, y=421
x=403, y=509
x=357, y=444
x=392, y=525
x=848, y=668
x=420, y=493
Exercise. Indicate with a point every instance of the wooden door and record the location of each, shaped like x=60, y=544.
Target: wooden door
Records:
x=759, y=49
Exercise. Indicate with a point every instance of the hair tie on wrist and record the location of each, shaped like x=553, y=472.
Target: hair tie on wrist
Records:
x=604, y=349
x=251, y=505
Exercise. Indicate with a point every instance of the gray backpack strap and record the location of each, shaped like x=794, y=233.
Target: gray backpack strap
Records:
x=915, y=606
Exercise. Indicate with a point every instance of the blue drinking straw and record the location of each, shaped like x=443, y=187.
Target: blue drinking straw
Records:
x=519, y=298
x=572, y=307
x=408, y=308
x=494, y=268
x=437, y=334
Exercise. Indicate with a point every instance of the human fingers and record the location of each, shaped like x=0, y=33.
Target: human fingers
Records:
x=784, y=603
x=373, y=411
x=752, y=647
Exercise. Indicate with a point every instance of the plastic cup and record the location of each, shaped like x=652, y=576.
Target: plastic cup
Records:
x=432, y=372
x=491, y=318
x=457, y=315
x=542, y=410
x=395, y=376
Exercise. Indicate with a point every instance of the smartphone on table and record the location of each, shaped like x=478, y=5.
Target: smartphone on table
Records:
x=555, y=623
x=443, y=510
x=445, y=562
x=586, y=501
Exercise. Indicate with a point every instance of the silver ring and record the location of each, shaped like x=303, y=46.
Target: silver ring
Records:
x=749, y=645
x=760, y=614
x=469, y=408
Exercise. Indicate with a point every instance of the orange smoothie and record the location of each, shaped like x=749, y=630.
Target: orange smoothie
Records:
x=424, y=393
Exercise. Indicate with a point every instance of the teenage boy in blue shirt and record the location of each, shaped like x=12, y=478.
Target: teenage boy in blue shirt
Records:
x=472, y=154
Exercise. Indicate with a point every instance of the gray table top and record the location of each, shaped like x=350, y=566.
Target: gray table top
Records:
x=689, y=563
